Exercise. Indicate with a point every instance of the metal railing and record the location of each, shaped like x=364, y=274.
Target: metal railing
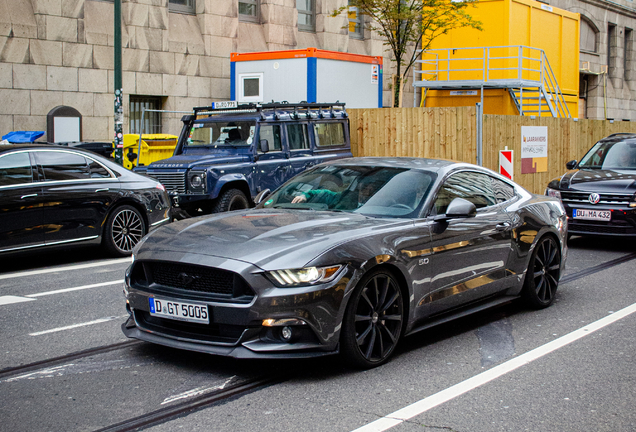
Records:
x=513, y=67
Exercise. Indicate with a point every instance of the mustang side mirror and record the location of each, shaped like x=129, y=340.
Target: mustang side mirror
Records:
x=572, y=164
x=264, y=146
x=260, y=197
x=458, y=208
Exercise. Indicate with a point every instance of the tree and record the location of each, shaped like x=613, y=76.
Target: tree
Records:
x=409, y=24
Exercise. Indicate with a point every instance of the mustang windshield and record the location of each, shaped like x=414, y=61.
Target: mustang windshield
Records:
x=372, y=191
x=608, y=155
x=221, y=134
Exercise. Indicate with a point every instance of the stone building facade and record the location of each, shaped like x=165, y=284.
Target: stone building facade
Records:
x=176, y=54
x=607, y=80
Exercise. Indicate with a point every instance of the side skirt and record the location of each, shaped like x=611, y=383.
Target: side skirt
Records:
x=478, y=307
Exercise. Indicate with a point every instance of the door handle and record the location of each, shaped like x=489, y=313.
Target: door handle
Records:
x=102, y=190
x=503, y=226
x=28, y=196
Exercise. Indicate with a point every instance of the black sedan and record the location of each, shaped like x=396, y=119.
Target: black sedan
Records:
x=598, y=193
x=52, y=196
x=346, y=257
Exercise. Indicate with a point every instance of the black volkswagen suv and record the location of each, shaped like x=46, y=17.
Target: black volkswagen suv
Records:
x=598, y=192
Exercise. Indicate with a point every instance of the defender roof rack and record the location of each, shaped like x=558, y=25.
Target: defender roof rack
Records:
x=308, y=109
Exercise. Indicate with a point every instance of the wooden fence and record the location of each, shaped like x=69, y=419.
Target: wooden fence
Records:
x=450, y=133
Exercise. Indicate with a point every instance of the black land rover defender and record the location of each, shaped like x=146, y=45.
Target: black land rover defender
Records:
x=228, y=153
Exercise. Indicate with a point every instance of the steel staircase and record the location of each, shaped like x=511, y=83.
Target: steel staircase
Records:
x=524, y=71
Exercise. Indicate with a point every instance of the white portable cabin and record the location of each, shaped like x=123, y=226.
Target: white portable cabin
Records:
x=308, y=75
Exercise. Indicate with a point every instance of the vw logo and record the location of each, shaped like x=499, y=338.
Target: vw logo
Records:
x=594, y=198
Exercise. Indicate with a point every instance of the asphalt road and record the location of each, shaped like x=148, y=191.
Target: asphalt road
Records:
x=566, y=368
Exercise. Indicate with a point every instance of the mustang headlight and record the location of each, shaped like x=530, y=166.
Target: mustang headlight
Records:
x=553, y=193
x=304, y=276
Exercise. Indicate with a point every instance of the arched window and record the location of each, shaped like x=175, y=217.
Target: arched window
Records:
x=589, y=35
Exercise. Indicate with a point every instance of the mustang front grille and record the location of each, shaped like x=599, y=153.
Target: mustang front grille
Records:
x=197, y=281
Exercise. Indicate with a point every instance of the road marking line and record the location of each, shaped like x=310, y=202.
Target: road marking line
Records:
x=9, y=299
x=196, y=392
x=65, y=290
x=97, y=321
x=67, y=268
x=426, y=404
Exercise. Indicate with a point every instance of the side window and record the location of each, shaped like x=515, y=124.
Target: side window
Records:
x=471, y=186
x=272, y=134
x=62, y=165
x=15, y=169
x=297, y=136
x=97, y=170
x=330, y=134
x=503, y=191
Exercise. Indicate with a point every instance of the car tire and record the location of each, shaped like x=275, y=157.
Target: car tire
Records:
x=231, y=199
x=125, y=227
x=543, y=274
x=373, y=320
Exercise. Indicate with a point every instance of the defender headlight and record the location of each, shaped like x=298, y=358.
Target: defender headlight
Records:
x=304, y=276
x=196, y=181
x=553, y=193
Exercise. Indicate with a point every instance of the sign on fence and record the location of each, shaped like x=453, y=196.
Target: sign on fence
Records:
x=506, y=167
x=534, y=149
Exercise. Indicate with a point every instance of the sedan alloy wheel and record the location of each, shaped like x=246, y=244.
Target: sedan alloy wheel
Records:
x=125, y=228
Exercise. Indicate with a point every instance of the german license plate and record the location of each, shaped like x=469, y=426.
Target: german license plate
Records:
x=598, y=215
x=224, y=105
x=177, y=310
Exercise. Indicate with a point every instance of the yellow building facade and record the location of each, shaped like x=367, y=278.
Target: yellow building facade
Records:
x=524, y=44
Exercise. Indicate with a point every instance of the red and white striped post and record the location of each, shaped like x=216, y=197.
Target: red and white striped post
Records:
x=506, y=167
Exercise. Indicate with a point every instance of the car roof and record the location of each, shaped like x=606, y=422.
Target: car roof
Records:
x=618, y=137
x=404, y=162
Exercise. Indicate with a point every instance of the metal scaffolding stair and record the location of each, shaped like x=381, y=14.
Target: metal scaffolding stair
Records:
x=524, y=71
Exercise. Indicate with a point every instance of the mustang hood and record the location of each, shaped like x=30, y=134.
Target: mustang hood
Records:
x=269, y=239
x=601, y=181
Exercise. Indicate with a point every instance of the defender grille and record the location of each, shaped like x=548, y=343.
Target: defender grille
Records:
x=172, y=181
x=192, y=281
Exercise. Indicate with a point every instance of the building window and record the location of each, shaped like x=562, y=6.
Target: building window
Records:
x=628, y=53
x=589, y=35
x=306, y=15
x=182, y=6
x=152, y=120
x=250, y=87
x=248, y=10
x=611, y=48
x=356, y=23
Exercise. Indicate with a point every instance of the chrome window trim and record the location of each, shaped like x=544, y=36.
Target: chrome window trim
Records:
x=112, y=174
x=112, y=177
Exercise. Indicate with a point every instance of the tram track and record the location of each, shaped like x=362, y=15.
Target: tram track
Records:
x=165, y=414
x=45, y=364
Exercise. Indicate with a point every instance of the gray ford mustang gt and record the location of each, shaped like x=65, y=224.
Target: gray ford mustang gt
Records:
x=346, y=257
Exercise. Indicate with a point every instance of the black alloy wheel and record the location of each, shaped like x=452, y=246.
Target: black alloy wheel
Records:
x=543, y=274
x=373, y=320
x=125, y=228
x=231, y=199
